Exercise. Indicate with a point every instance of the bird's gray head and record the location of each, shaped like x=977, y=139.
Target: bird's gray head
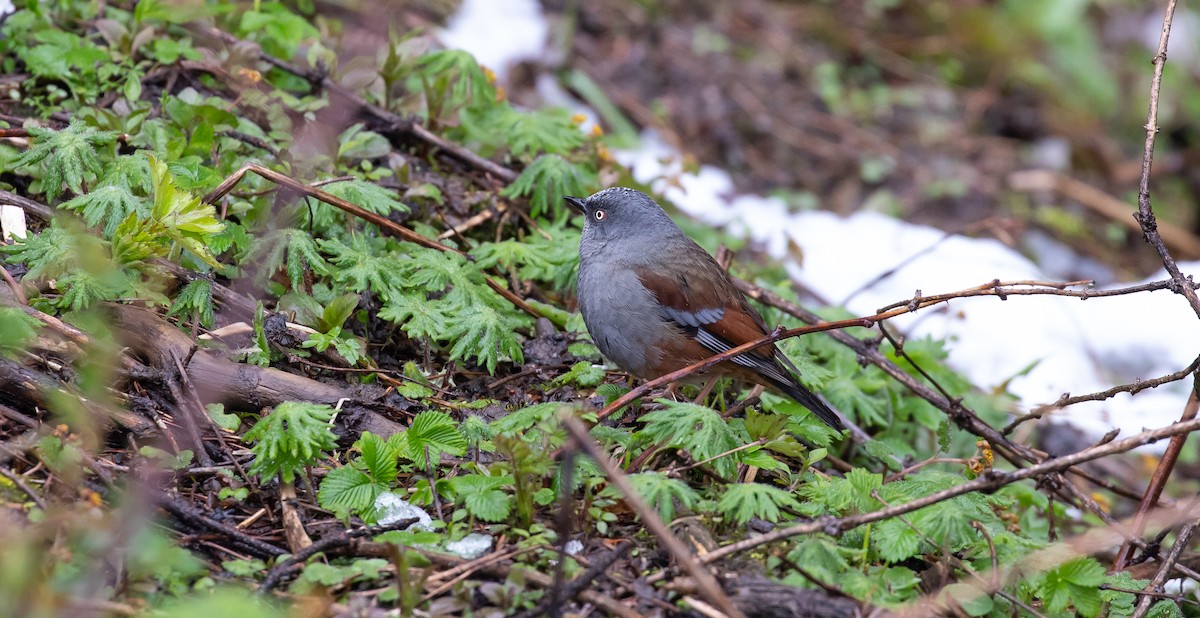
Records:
x=622, y=213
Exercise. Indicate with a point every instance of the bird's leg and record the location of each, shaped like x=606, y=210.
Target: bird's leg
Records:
x=707, y=389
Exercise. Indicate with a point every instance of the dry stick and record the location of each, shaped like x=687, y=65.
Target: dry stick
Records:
x=1144, y=214
x=1159, y=480
x=18, y=293
x=189, y=409
x=187, y=513
x=1134, y=388
x=989, y=480
x=708, y=584
x=19, y=481
x=334, y=539
x=382, y=222
x=1160, y=578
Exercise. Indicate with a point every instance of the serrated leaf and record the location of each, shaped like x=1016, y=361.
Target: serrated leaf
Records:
x=434, y=433
x=68, y=156
x=661, y=492
x=699, y=430
x=746, y=500
x=290, y=438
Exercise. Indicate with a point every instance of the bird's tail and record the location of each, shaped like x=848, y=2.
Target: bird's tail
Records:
x=810, y=400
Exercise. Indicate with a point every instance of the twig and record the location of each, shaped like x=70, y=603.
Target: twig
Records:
x=189, y=409
x=708, y=584
x=989, y=480
x=581, y=581
x=1160, y=578
x=1145, y=214
x=18, y=293
x=191, y=515
x=329, y=541
x=382, y=222
x=19, y=481
x=1159, y=480
x=384, y=117
x=1133, y=388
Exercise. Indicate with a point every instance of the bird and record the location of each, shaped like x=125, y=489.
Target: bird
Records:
x=654, y=301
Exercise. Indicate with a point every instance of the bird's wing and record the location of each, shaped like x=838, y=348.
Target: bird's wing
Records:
x=715, y=317
x=713, y=313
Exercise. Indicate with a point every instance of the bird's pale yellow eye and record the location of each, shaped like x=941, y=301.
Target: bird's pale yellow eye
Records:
x=599, y=215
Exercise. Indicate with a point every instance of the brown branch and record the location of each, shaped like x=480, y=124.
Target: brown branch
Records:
x=1145, y=214
x=1133, y=388
x=19, y=481
x=328, y=542
x=1159, y=480
x=709, y=586
x=990, y=480
x=1160, y=578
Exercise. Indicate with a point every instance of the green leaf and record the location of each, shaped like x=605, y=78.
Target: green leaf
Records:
x=195, y=299
x=17, y=330
x=465, y=81
x=1073, y=583
x=348, y=490
x=742, y=501
x=699, y=430
x=224, y=420
x=185, y=219
x=290, y=438
x=378, y=456
x=661, y=492
x=68, y=156
x=583, y=374
x=361, y=266
x=370, y=196
x=434, y=433
x=548, y=130
x=244, y=568
x=107, y=206
x=546, y=180
x=481, y=496
x=520, y=420
x=489, y=336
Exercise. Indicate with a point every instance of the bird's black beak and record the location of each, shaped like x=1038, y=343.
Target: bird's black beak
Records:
x=576, y=202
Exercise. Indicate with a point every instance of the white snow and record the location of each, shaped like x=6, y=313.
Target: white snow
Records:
x=471, y=546
x=392, y=508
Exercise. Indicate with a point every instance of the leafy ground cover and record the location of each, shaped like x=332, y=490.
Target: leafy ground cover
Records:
x=268, y=290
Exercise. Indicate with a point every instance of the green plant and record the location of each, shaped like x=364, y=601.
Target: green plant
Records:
x=290, y=438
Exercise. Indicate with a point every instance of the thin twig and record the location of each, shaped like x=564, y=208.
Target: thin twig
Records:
x=1132, y=388
x=1160, y=578
x=989, y=480
x=19, y=481
x=1145, y=214
x=329, y=541
x=707, y=583
x=1158, y=481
